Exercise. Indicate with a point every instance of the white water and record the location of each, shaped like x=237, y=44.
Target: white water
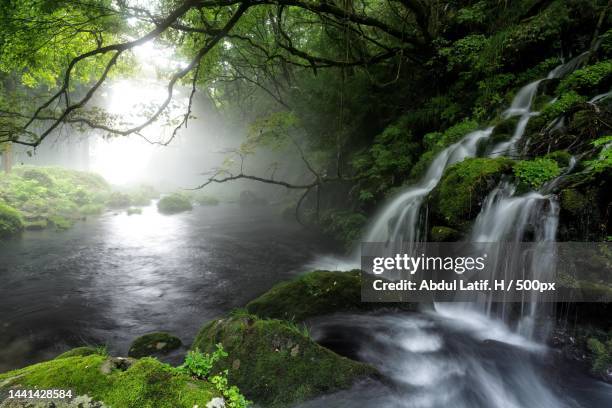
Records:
x=439, y=371
x=399, y=221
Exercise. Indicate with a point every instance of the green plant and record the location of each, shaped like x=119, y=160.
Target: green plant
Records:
x=233, y=397
x=588, y=79
x=604, y=161
x=199, y=364
x=602, y=355
x=534, y=173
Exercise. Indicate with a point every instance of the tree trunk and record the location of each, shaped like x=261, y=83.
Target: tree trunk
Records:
x=7, y=157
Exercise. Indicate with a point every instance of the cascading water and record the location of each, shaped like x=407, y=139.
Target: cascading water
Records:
x=399, y=222
x=466, y=356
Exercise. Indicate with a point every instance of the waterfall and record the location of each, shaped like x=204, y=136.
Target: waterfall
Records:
x=515, y=219
x=400, y=220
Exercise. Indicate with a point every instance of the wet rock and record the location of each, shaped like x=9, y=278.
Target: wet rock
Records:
x=153, y=343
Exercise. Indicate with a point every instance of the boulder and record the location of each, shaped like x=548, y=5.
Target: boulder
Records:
x=153, y=344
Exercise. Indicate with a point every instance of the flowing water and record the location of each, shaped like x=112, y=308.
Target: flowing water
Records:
x=111, y=279
x=116, y=277
x=467, y=355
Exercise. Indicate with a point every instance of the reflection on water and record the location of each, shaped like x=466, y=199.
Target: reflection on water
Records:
x=111, y=279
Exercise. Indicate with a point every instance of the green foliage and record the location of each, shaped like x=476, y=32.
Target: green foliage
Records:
x=603, y=162
x=11, y=222
x=53, y=196
x=437, y=141
x=588, y=80
x=233, y=397
x=464, y=54
x=601, y=355
x=144, y=383
x=391, y=156
x=199, y=364
x=174, y=203
x=443, y=234
x=273, y=362
x=458, y=196
x=344, y=226
x=534, y=173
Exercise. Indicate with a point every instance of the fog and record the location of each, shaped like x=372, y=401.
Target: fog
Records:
x=207, y=143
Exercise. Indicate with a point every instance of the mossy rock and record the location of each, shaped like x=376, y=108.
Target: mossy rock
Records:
x=11, y=222
x=315, y=294
x=116, y=382
x=276, y=364
x=154, y=343
x=82, y=352
x=174, y=203
x=444, y=234
x=503, y=130
x=573, y=201
x=39, y=176
x=36, y=225
x=60, y=223
x=458, y=197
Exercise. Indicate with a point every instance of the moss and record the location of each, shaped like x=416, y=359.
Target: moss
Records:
x=174, y=203
x=276, y=364
x=146, y=383
x=315, y=294
x=458, y=196
x=561, y=157
x=503, y=130
x=153, y=343
x=573, y=201
x=11, y=222
x=82, y=352
x=443, y=234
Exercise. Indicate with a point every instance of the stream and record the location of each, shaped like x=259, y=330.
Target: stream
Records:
x=113, y=278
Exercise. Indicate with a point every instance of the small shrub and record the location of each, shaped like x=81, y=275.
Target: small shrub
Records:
x=199, y=364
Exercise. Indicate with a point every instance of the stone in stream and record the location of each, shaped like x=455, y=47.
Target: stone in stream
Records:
x=316, y=294
x=279, y=363
x=154, y=343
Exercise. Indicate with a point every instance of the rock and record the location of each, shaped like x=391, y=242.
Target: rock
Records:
x=153, y=343
x=116, y=363
x=11, y=222
x=174, y=203
x=216, y=403
x=315, y=294
x=280, y=364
